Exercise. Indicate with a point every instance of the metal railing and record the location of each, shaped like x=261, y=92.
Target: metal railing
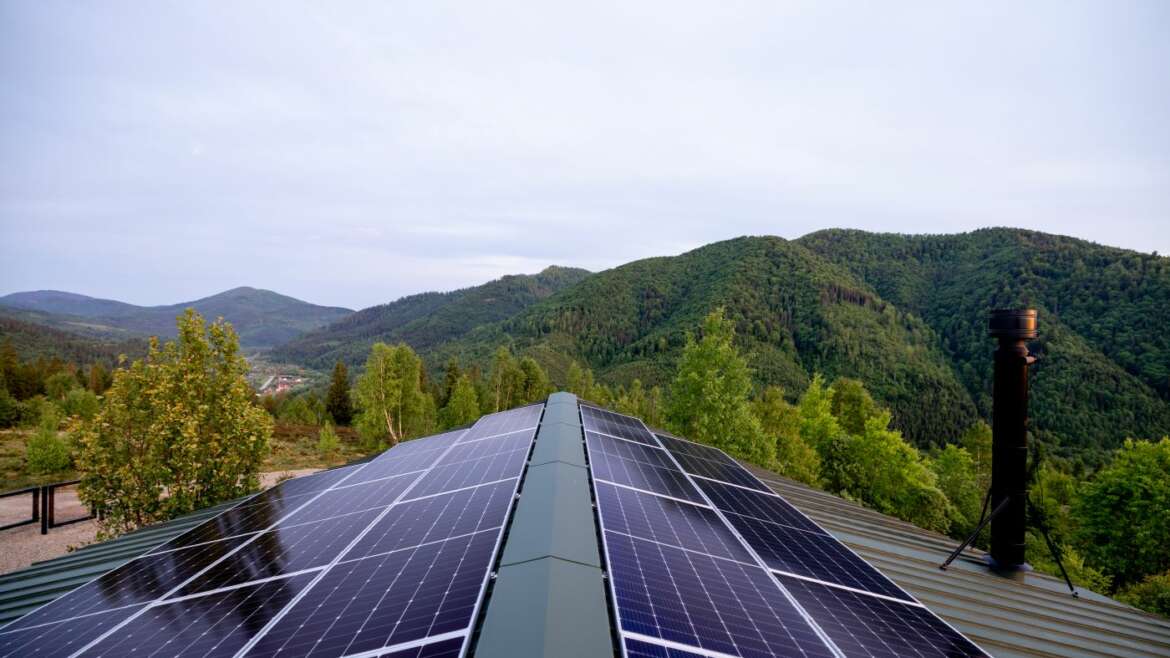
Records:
x=44, y=506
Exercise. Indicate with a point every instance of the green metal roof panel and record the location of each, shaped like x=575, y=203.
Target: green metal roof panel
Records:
x=27, y=589
x=549, y=597
x=546, y=607
x=554, y=517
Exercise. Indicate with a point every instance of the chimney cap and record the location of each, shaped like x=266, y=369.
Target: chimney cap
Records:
x=1017, y=323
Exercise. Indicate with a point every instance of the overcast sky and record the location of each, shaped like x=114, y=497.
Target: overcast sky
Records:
x=350, y=153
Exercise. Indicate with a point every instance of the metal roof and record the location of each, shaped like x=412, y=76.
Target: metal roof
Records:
x=27, y=589
x=1033, y=616
x=549, y=571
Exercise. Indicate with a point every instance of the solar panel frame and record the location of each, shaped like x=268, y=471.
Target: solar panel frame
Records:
x=847, y=631
x=607, y=550
x=779, y=578
x=303, y=494
x=494, y=553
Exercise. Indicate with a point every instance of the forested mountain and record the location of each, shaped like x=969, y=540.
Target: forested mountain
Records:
x=31, y=341
x=905, y=314
x=261, y=317
x=426, y=320
x=795, y=313
x=1104, y=369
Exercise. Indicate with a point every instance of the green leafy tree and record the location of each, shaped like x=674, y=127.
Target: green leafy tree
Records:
x=451, y=374
x=337, y=403
x=328, y=442
x=535, y=384
x=637, y=401
x=57, y=386
x=9, y=409
x=882, y=470
x=709, y=397
x=80, y=403
x=389, y=392
x=1124, y=523
x=99, y=379
x=178, y=431
x=45, y=450
x=575, y=381
x=958, y=478
x=463, y=407
x=780, y=420
x=298, y=410
x=1151, y=594
x=851, y=404
x=818, y=426
x=977, y=441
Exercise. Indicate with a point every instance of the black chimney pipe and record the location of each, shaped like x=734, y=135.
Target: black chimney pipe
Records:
x=1009, y=456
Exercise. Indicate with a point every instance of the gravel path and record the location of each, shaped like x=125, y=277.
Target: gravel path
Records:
x=20, y=547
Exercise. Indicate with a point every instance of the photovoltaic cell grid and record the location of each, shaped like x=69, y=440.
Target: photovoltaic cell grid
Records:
x=390, y=555
x=680, y=576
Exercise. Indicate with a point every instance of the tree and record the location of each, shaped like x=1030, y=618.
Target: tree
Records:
x=535, y=384
x=818, y=425
x=451, y=373
x=958, y=478
x=1151, y=594
x=463, y=407
x=851, y=404
x=977, y=441
x=57, y=386
x=46, y=451
x=327, y=441
x=1124, y=524
x=709, y=397
x=393, y=405
x=781, y=421
x=99, y=379
x=337, y=403
x=178, y=431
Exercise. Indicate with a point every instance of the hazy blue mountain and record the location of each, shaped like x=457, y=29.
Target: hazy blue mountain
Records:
x=262, y=318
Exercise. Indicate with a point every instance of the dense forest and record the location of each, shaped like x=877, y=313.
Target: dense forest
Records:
x=425, y=321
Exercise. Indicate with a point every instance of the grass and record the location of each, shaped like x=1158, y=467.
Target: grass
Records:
x=13, y=472
x=293, y=447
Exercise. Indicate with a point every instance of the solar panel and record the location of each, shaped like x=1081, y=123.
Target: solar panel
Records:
x=864, y=625
x=740, y=572
x=704, y=601
x=607, y=422
x=667, y=521
x=400, y=547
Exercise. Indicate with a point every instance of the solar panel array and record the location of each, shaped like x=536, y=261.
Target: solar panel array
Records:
x=391, y=557
x=705, y=560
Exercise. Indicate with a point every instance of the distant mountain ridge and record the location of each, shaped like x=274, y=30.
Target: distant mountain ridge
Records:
x=262, y=318
x=426, y=320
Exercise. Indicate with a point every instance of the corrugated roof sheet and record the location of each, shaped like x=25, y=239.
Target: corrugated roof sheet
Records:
x=27, y=589
x=1035, y=616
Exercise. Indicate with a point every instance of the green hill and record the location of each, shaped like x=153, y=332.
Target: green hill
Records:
x=1104, y=372
x=795, y=312
x=32, y=340
x=261, y=317
x=425, y=321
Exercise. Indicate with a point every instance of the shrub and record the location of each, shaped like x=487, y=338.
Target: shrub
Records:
x=80, y=403
x=1151, y=594
x=327, y=441
x=46, y=451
